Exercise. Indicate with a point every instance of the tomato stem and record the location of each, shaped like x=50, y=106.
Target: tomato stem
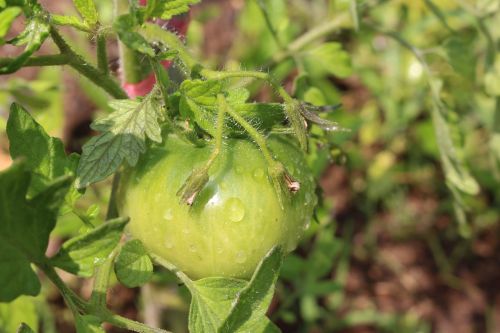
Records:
x=101, y=281
x=76, y=61
x=102, y=54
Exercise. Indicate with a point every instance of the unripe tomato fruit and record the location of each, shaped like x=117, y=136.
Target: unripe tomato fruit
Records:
x=234, y=221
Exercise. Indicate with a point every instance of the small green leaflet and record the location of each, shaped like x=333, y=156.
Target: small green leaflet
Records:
x=199, y=102
x=33, y=36
x=232, y=305
x=165, y=9
x=133, y=267
x=71, y=21
x=124, y=137
x=87, y=10
x=124, y=27
x=250, y=300
x=7, y=16
x=81, y=254
x=25, y=226
x=45, y=155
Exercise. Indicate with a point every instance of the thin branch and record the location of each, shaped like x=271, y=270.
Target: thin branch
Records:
x=102, y=54
x=46, y=60
x=76, y=61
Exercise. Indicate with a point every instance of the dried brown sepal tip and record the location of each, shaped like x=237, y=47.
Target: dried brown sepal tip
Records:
x=310, y=113
x=193, y=185
x=283, y=183
x=292, y=184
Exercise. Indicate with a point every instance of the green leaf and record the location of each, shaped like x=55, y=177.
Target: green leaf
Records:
x=24, y=329
x=249, y=300
x=165, y=9
x=87, y=10
x=7, y=16
x=25, y=226
x=124, y=137
x=233, y=304
x=71, y=21
x=133, y=267
x=125, y=28
x=23, y=310
x=81, y=254
x=45, y=155
x=33, y=36
x=88, y=324
x=212, y=301
x=199, y=102
x=329, y=58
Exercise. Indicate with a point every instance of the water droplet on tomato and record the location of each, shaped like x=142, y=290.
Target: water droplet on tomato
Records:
x=241, y=257
x=168, y=215
x=192, y=248
x=235, y=209
x=239, y=170
x=258, y=174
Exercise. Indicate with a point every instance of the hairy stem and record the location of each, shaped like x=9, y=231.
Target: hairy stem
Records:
x=102, y=54
x=129, y=324
x=112, y=207
x=101, y=281
x=75, y=303
x=254, y=134
x=76, y=61
x=47, y=60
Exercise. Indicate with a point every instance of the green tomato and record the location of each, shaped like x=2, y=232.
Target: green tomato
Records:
x=234, y=221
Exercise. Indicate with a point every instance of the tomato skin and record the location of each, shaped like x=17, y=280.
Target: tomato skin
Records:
x=235, y=220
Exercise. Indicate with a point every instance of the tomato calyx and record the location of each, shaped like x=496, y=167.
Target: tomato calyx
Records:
x=284, y=184
x=193, y=185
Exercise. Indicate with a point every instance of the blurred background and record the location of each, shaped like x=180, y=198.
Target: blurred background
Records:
x=408, y=235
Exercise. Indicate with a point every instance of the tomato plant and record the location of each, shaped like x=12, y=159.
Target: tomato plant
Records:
x=203, y=173
x=214, y=186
